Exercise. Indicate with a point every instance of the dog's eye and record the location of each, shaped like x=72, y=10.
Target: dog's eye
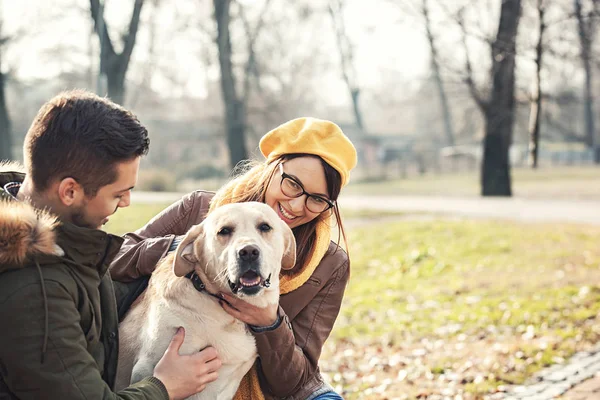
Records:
x=264, y=227
x=225, y=231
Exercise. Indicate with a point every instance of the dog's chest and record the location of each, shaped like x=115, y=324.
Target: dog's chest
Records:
x=208, y=326
x=232, y=340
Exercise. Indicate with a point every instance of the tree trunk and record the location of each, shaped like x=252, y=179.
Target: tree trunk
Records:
x=495, y=170
x=114, y=65
x=5, y=134
x=438, y=78
x=115, y=82
x=235, y=116
x=355, y=94
x=586, y=34
x=536, y=103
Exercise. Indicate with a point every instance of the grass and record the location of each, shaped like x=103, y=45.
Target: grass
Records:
x=132, y=218
x=521, y=296
x=545, y=182
x=468, y=305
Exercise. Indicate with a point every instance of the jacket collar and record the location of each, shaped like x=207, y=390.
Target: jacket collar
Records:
x=90, y=248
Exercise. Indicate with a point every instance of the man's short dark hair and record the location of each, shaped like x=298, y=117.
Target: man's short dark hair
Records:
x=83, y=136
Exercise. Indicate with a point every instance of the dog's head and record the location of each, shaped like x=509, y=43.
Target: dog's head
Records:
x=239, y=247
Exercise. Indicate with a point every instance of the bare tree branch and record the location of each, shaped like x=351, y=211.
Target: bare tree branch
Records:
x=477, y=97
x=251, y=68
x=129, y=39
x=346, y=57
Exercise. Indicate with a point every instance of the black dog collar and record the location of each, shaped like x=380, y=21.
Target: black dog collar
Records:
x=199, y=285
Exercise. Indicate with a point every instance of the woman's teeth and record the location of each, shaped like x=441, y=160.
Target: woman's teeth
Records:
x=285, y=213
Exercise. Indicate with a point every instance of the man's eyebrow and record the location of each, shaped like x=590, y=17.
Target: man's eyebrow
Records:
x=301, y=184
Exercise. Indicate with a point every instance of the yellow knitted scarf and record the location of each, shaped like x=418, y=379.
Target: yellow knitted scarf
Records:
x=249, y=388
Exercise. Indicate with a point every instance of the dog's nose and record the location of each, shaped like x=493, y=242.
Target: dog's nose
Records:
x=249, y=253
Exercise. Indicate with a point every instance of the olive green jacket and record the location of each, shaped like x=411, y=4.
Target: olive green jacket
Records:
x=58, y=313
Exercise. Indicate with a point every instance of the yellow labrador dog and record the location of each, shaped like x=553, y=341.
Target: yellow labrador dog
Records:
x=239, y=248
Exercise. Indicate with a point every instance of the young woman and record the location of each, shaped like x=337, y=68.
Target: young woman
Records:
x=308, y=161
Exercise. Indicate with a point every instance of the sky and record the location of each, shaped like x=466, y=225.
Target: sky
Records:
x=383, y=41
x=388, y=38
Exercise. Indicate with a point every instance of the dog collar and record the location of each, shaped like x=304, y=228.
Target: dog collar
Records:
x=198, y=284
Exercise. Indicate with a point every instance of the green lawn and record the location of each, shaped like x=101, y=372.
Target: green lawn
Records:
x=133, y=217
x=453, y=305
x=472, y=305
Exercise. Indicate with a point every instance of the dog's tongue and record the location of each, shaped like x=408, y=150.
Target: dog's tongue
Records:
x=250, y=279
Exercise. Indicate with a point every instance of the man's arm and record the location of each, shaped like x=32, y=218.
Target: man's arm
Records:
x=68, y=371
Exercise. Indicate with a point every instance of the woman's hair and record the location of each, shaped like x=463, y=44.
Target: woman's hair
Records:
x=250, y=183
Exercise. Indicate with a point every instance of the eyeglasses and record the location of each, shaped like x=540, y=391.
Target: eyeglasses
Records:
x=292, y=188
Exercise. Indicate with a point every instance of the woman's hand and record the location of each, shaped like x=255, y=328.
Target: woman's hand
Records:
x=248, y=313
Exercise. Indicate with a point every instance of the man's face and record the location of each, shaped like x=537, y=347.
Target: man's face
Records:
x=94, y=211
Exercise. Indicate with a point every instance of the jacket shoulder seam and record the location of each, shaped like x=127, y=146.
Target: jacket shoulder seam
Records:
x=181, y=216
x=46, y=280
x=200, y=198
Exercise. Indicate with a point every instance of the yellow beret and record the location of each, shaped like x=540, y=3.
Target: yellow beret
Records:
x=311, y=136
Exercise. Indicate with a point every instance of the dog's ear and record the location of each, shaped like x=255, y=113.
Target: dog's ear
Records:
x=289, y=244
x=184, y=256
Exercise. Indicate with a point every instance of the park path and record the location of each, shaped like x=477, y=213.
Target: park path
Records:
x=520, y=209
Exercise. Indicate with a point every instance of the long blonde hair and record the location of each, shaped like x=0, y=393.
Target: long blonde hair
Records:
x=250, y=183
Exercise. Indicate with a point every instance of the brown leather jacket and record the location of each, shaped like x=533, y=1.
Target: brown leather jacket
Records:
x=289, y=354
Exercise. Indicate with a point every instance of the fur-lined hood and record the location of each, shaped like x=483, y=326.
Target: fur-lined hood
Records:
x=25, y=232
x=11, y=166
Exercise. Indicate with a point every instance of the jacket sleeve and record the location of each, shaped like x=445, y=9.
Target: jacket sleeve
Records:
x=68, y=371
x=142, y=249
x=289, y=354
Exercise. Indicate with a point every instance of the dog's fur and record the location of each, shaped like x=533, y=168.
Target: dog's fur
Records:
x=214, y=251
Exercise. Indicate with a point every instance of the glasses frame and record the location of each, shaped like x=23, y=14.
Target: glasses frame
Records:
x=284, y=176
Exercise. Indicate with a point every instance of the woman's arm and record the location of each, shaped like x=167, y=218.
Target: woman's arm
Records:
x=142, y=249
x=290, y=353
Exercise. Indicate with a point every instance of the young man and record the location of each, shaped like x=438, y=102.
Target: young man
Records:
x=58, y=314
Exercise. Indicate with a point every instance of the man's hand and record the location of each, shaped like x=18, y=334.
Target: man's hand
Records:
x=184, y=376
x=248, y=313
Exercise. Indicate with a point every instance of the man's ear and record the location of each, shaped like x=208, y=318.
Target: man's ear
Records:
x=70, y=192
x=185, y=259
x=289, y=254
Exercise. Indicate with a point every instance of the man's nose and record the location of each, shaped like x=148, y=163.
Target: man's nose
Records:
x=125, y=200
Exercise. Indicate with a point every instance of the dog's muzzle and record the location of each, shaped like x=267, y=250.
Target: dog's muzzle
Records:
x=250, y=280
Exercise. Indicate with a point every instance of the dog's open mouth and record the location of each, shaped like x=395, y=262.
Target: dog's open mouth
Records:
x=249, y=283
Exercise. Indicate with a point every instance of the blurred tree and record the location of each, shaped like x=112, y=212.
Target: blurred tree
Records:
x=346, y=50
x=151, y=64
x=499, y=108
x=235, y=100
x=114, y=65
x=586, y=23
x=5, y=133
x=435, y=66
x=536, y=101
